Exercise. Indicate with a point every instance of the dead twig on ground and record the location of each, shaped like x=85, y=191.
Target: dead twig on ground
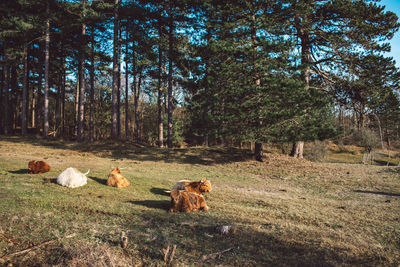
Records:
x=171, y=257
x=166, y=254
x=168, y=260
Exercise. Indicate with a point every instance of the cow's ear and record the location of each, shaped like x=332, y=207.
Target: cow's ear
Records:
x=203, y=180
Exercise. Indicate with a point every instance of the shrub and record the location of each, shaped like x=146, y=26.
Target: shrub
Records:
x=367, y=139
x=317, y=151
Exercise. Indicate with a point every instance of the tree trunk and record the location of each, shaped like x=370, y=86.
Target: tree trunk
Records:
x=14, y=98
x=76, y=108
x=135, y=92
x=58, y=99
x=119, y=86
x=170, y=55
x=360, y=124
x=306, y=60
x=63, y=93
x=205, y=140
x=258, y=151
x=46, y=76
x=297, y=149
x=24, y=121
x=81, y=75
x=160, y=92
x=380, y=131
x=165, y=87
x=127, y=85
x=33, y=108
x=38, y=119
x=114, y=111
x=5, y=104
x=136, y=107
x=91, y=106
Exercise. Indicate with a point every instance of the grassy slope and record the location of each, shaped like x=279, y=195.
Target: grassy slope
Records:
x=283, y=211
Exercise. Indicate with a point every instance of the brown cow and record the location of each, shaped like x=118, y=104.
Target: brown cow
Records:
x=38, y=167
x=116, y=179
x=198, y=187
x=186, y=201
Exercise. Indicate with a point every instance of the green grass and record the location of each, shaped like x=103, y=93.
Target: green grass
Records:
x=283, y=211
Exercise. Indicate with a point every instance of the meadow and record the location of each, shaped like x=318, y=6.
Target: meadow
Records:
x=283, y=211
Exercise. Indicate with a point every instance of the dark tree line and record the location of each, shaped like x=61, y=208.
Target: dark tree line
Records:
x=201, y=72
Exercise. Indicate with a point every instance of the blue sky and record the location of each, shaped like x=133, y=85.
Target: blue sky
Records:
x=394, y=6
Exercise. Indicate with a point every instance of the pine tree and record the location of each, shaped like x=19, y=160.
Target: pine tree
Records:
x=328, y=31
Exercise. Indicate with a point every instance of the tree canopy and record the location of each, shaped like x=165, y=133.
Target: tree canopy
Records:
x=214, y=72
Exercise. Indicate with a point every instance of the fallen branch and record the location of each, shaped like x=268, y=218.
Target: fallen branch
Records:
x=171, y=257
x=215, y=255
x=166, y=254
x=35, y=247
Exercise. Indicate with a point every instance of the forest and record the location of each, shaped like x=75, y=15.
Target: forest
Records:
x=185, y=73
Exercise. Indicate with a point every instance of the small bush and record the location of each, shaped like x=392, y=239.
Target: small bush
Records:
x=366, y=139
x=317, y=152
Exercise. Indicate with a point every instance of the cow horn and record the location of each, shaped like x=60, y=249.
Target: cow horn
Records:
x=87, y=172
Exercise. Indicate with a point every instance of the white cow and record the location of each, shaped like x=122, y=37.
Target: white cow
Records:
x=72, y=178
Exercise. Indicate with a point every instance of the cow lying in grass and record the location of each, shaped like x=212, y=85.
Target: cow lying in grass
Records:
x=198, y=187
x=186, y=201
x=38, y=167
x=116, y=179
x=72, y=178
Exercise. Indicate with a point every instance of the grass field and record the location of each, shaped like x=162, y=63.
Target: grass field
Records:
x=283, y=212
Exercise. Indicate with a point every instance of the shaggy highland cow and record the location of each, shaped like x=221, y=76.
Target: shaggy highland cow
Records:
x=198, y=187
x=186, y=201
x=72, y=178
x=38, y=167
x=116, y=179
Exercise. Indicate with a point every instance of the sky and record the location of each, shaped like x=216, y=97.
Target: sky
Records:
x=394, y=6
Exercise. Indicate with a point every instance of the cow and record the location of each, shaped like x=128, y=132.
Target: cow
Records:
x=116, y=179
x=198, y=187
x=182, y=201
x=36, y=167
x=72, y=178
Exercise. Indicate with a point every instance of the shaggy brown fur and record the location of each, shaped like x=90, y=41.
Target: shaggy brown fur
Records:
x=186, y=201
x=198, y=187
x=116, y=179
x=38, y=167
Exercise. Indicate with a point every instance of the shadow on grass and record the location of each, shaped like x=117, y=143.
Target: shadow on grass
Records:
x=377, y=193
x=98, y=180
x=50, y=180
x=117, y=150
x=153, y=204
x=20, y=171
x=159, y=191
x=384, y=163
x=195, y=232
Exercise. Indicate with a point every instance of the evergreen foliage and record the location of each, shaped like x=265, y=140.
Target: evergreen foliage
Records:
x=214, y=72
